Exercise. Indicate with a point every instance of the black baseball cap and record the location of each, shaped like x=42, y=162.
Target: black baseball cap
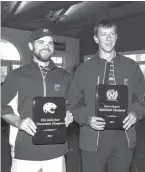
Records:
x=37, y=34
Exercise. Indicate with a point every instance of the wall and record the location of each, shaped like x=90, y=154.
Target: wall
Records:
x=20, y=39
x=72, y=51
x=131, y=33
x=87, y=43
x=131, y=36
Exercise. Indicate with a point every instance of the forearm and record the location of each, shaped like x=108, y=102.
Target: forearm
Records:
x=12, y=119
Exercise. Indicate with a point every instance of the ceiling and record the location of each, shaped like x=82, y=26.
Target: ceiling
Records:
x=70, y=18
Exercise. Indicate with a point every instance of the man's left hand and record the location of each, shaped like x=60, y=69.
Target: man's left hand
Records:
x=130, y=120
x=68, y=119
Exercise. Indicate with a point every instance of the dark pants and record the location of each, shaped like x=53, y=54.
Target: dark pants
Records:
x=5, y=150
x=73, y=156
x=113, y=154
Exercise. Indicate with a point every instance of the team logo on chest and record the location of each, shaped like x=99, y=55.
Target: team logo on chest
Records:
x=57, y=87
x=125, y=81
x=45, y=30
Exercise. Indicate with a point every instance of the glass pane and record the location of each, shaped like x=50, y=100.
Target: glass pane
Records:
x=142, y=57
x=131, y=56
x=15, y=66
x=57, y=60
x=142, y=66
x=4, y=72
x=136, y=57
x=8, y=51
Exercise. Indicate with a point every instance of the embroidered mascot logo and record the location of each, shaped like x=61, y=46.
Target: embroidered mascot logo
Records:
x=49, y=107
x=45, y=30
x=112, y=95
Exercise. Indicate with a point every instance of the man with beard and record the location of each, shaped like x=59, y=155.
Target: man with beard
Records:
x=39, y=78
x=103, y=148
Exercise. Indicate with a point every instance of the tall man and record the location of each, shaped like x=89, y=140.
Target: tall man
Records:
x=102, y=148
x=39, y=78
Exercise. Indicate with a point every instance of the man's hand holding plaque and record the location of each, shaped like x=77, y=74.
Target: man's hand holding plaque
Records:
x=130, y=120
x=68, y=119
x=27, y=125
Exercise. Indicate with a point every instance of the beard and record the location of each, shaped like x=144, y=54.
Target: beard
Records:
x=44, y=55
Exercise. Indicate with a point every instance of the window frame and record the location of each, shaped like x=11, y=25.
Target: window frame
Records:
x=15, y=45
x=10, y=63
x=134, y=52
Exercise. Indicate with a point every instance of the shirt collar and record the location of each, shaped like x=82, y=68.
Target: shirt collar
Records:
x=49, y=67
x=114, y=59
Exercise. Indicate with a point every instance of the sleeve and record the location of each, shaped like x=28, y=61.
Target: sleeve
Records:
x=76, y=102
x=8, y=92
x=138, y=105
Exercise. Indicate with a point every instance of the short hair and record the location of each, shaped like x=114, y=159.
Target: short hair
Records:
x=106, y=23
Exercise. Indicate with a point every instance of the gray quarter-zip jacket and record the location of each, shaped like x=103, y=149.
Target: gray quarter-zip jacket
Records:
x=29, y=82
x=82, y=96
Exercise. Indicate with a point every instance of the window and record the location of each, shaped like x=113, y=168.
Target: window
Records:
x=10, y=58
x=59, y=58
x=15, y=66
x=58, y=61
x=8, y=51
x=138, y=56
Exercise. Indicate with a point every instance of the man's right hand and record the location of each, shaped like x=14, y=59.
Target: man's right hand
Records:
x=96, y=123
x=27, y=125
